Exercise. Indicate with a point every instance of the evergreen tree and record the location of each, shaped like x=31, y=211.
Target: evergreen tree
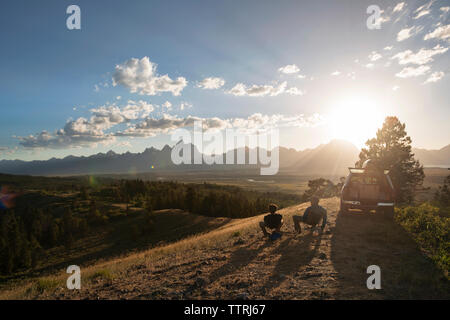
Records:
x=391, y=149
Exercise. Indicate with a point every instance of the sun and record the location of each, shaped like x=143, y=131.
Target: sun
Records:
x=355, y=119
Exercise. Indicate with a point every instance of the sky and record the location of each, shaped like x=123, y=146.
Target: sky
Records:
x=137, y=70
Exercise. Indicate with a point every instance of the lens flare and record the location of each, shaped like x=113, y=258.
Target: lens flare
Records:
x=6, y=198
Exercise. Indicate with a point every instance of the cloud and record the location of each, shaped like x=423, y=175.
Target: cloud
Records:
x=8, y=151
x=293, y=91
x=445, y=9
x=336, y=73
x=258, y=90
x=404, y=34
x=289, y=69
x=424, y=7
x=369, y=66
x=84, y=132
x=211, y=83
x=422, y=13
x=423, y=56
x=62, y=139
x=382, y=19
x=259, y=121
x=395, y=88
x=413, y=72
x=185, y=105
x=132, y=111
x=388, y=48
x=441, y=32
x=434, y=77
x=167, y=124
x=167, y=105
x=399, y=7
x=139, y=75
x=374, y=56
x=408, y=32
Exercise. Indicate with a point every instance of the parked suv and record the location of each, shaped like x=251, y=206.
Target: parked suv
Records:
x=368, y=188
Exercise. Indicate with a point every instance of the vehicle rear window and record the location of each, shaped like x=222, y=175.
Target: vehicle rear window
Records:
x=363, y=179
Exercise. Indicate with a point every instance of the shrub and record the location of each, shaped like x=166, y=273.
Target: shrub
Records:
x=104, y=274
x=430, y=227
x=43, y=285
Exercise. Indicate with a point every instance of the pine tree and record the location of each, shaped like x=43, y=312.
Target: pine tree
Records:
x=391, y=149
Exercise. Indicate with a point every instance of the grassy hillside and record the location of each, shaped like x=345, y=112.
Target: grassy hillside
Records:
x=234, y=262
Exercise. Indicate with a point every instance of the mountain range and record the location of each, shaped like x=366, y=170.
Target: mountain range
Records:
x=332, y=158
x=433, y=158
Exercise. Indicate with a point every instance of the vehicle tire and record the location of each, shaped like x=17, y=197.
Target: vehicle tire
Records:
x=389, y=213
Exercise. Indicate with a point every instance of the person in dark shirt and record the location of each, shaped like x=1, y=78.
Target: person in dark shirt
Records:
x=273, y=220
x=312, y=216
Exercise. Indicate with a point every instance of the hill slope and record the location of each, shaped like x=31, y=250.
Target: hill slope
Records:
x=234, y=261
x=429, y=158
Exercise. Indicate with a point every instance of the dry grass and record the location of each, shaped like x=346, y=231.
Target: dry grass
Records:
x=173, y=253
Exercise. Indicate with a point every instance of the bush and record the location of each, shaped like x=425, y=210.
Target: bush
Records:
x=43, y=285
x=104, y=274
x=430, y=227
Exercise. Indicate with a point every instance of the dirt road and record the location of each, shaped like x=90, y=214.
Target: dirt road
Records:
x=330, y=266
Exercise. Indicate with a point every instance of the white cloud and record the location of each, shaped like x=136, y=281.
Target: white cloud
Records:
x=399, y=7
x=404, y=34
x=185, y=105
x=435, y=76
x=370, y=66
x=374, y=56
x=152, y=126
x=423, y=56
x=257, y=121
x=395, y=88
x=445, y=9
x=441, y=32
x=424, y=7
x=294, y=91
x=84, y=132
x=289, y=69
x=413, y=72
x=211, y=83
x=382, y=19
x=77, y=133
x=388, y=48
x=167, y=105
x=422, y=13
x=139, y=75
x=336, y=73
x=132, y=111
x=87, y=133
x=258, y=90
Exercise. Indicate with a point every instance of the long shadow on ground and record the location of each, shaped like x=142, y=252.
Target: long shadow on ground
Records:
x=360, y=240
x=294, y=255
x=239, y=259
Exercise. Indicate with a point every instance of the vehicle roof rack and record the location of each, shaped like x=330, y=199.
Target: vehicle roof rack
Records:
x=362, y=170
